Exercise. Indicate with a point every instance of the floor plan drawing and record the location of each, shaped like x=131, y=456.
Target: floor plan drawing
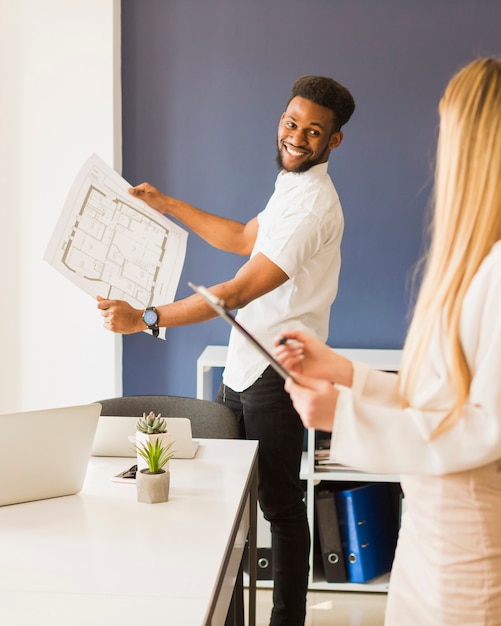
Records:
x=110, y=244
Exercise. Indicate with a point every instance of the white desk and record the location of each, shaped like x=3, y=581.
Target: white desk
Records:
x=215, y=356
x=100, y=558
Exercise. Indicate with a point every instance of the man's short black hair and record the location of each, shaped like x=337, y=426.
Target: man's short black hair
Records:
x=327, y=93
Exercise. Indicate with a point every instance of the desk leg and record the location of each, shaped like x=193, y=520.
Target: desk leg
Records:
x=236, y=612
x=253, y=551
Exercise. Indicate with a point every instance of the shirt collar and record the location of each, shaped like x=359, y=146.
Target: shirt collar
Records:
x=291, y=179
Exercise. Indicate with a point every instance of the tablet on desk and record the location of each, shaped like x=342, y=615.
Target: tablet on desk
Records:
x=223, y=311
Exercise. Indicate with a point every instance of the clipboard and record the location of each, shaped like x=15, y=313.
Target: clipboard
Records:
x=223, y=311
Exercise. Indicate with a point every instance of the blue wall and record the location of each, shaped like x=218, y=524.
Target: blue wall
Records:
x=204, y=84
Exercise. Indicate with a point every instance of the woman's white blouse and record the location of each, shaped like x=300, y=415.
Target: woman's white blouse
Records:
x=372, y=431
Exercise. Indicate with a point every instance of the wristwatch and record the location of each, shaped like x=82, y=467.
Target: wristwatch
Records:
x=150, y=318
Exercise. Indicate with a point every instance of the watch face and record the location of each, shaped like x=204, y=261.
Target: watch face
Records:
x=150, y=317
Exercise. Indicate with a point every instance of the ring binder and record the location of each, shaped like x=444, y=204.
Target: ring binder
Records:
x=329, y=537
x=368, y=528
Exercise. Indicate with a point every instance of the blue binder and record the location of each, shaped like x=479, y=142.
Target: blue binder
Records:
x=368, y=527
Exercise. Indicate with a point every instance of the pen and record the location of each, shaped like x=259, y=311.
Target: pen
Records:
x=283, y=340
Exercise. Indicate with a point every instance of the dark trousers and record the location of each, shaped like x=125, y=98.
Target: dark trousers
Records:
x=265, y=413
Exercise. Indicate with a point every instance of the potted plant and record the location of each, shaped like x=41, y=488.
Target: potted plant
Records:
x=151, y=428
x=153, y=481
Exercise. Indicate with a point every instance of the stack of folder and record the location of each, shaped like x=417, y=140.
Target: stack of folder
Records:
x=368, y=525
x=323, y=463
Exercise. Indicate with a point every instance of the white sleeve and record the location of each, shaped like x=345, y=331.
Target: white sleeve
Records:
x=372, y=431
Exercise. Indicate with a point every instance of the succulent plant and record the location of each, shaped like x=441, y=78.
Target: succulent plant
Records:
x=155, y=454
x=151, y=424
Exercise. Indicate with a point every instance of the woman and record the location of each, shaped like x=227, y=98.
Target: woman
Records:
x=438, y=423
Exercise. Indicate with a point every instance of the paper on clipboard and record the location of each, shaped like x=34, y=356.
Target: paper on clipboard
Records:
x=111, y=244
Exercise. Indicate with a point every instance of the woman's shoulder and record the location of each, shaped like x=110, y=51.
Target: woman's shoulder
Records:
x=491, y=265
x=485, y=288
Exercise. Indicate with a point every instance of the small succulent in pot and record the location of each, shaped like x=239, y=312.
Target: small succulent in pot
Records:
x=155, y=454
x=148, y=428
x=153, y=482
x=151, y=424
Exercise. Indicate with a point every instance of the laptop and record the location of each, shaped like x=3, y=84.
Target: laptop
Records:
x=45, y=453
x=115, y=437
x=223, y=311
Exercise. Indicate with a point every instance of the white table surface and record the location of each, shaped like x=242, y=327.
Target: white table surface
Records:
x=100, y=558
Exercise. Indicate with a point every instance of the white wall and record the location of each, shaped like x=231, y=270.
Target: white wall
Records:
x=60, y=101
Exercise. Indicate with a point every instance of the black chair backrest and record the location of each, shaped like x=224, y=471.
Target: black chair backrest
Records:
x=209, y=420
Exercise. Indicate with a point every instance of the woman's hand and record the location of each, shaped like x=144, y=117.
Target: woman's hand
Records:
x=315, y=401
x=304, y=354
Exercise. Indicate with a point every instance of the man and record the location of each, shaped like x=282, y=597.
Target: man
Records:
x=289, y=281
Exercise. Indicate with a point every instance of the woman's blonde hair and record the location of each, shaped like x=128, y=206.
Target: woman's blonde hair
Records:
x=466, y=221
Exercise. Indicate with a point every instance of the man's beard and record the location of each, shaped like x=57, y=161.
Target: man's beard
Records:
x=304, y=167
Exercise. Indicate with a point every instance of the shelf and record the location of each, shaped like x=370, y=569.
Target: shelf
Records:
x=385, y=360
x=344, y=475
x=355, y=476
x=215, y=356
x=212, y=356
x=376, y=585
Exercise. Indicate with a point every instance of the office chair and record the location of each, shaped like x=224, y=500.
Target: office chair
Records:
x=209, y=420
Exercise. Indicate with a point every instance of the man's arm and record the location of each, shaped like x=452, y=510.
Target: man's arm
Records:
x=220, y=232
x=255, y=278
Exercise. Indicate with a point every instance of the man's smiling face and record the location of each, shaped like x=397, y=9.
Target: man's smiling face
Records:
x=306, y=135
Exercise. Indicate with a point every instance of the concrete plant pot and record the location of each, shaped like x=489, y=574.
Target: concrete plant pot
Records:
x=152, y=488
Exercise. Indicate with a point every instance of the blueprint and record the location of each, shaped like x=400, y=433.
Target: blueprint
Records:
x=111, y=244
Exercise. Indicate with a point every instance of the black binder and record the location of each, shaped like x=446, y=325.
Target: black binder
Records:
x=329, y=537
